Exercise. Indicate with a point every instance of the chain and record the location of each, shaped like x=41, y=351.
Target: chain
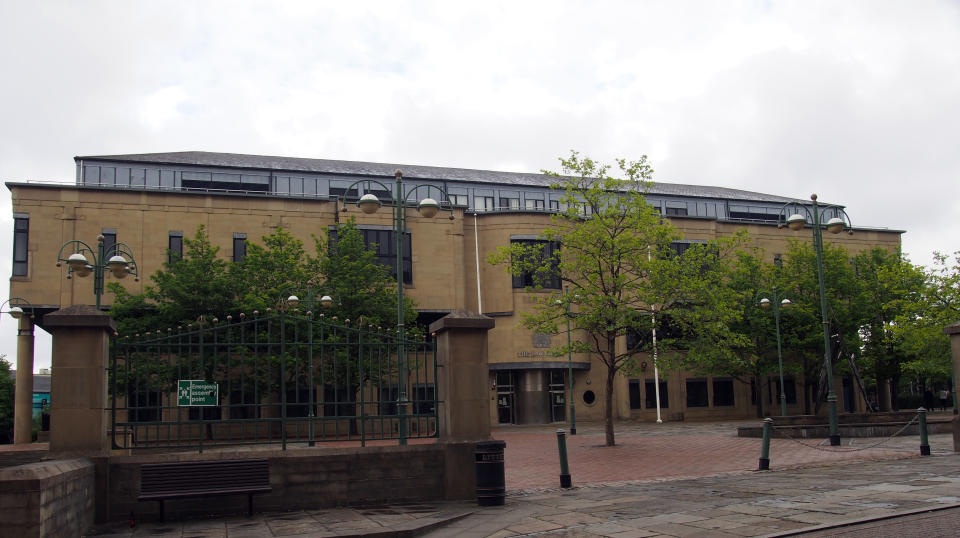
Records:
x=850, y=449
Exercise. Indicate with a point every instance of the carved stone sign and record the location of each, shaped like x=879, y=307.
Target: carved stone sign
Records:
x=541, y=340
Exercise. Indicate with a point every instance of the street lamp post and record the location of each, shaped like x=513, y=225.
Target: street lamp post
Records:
x=835, y=225
x=293, y=302
x=777, y=303
x=573, y=411
x=428, y=207
x=78, y=263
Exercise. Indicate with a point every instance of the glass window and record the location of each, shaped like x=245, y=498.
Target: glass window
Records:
x=484, y=203
x=243, y=404
x=509, y=203
x=239, y=247
x=636, y=400
x=383, y=243
x=144, y=406
x=423, y=400
x=550, y=279
x=298, y=402
x=676, y=212
x=109, y=242
x=722, y=392
x=338, y=401
x=175, y=247
x=697, y=393
x=459, y=199
x=388, y=400
x=534, y=204
x=789, y=387
x=651, y=393
x=21, y=241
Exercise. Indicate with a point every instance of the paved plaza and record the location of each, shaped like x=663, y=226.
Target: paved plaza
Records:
x=673, y=479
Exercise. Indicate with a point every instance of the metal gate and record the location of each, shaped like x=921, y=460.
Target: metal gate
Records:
x=280, y=378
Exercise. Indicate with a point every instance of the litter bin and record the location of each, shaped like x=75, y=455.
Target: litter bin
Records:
x=491, y=489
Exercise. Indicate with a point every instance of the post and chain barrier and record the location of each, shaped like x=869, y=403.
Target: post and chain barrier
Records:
x=920, y=417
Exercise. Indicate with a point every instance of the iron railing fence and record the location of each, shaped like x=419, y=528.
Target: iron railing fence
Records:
x=281, y=378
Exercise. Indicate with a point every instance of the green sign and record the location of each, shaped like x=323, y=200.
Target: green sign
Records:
x=197, y=392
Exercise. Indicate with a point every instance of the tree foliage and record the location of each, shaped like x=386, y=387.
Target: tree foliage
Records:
x=7, y=386
x=618, y=271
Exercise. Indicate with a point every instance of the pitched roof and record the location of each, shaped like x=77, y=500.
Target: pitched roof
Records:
x=437, y=173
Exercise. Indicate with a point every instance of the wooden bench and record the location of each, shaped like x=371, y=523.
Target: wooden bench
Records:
x=185, y=479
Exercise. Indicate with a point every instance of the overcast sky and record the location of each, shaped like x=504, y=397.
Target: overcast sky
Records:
x=858, y=102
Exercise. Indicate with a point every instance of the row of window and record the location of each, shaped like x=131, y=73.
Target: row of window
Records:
x=381, y=241
x=643, y=393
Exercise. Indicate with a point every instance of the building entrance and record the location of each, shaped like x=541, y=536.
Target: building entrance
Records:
x=506, y=398
x=558, y=396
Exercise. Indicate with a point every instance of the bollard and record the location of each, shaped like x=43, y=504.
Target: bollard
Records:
x=565, y=481
x=765, y=447
x=924, y=442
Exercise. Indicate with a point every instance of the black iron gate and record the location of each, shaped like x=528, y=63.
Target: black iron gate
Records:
x=280, y=378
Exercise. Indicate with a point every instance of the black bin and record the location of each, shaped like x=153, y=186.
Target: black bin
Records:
x=491, y=489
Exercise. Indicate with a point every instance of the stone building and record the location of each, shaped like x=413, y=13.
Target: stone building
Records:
x=151, y=201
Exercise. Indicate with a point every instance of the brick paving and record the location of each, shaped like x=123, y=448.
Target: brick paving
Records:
x=673, y=479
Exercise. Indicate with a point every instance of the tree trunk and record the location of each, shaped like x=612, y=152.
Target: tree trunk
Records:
x=883, y=393
x=759, y=394
x=608, y=407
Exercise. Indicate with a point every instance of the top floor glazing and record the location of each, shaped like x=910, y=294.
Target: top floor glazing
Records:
x=474, y=190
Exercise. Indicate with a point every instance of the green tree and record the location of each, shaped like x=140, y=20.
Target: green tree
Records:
x=615, y=257
x=7, y=386
x=890, y=288
x=920, y=328
x=750, y=351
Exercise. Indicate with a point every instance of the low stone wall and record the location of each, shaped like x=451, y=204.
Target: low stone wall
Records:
x=852, y=425
x=310, y=478
x=47, y=499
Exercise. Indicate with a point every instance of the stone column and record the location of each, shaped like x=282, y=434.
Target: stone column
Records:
x=23, y=402
x=78, y=388
x=954, y=332
x=464, y=412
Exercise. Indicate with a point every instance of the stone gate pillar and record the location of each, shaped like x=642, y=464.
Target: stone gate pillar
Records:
x=954, y=332
x=464, y=413
x=78, y=381
x=23, y=401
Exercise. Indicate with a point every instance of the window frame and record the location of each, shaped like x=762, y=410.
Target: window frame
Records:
x=21, y=238
x=239, y=247
x=526, y=279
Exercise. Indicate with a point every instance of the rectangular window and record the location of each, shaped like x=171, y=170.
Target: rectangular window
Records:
x=211, y=412
x=109, y=242
x=722, y=392
x=174, y=247
x=383, y=243
x=338, y=402
x=636, y=399
x=548, y=253
x=388, y=401
x=651, y=392
x=21, y=240
x=676, y=212
x=555, y=205
x=697, y=393
x=459, y=200
x=509, y=203
x=423, y=400
x=239, y=247
x=298, y=402
x=343, y=194
x=536, y=205
x=144, y=405
x=243, y=404
x=789, y=387
x=484, y=203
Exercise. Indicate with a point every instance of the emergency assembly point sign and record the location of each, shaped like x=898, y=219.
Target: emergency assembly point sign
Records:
x=197, y=392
